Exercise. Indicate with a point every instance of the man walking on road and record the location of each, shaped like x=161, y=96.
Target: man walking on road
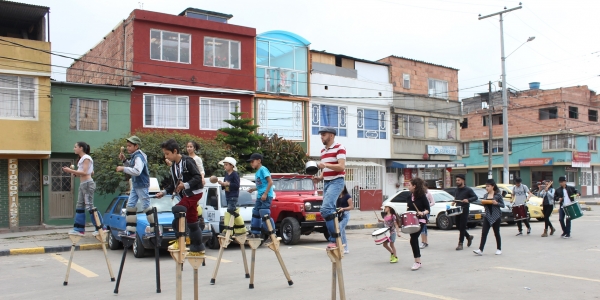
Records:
x=333, y=166
x=464, y=196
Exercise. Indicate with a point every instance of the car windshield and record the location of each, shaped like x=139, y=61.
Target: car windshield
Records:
x=245, y=199
x=293, y=184
x=163, y=204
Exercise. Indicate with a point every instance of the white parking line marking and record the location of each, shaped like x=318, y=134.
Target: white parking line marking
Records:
x=549, y=274
x=85, y=272
x=313, y=248
x=214, y=258
x=593, y=249
x=421, y=293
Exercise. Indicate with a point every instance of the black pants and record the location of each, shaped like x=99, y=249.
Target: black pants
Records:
x=486, y=229
x=461, y=223
x=520, y=222
x=414, y=242
x=547, y=209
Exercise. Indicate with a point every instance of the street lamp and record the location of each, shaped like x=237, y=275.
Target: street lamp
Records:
x=531, y=38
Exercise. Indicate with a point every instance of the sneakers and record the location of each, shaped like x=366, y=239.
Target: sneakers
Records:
x=529, y=230
x=567, y=236
x=394, y=259
x=520, y=233
x=498, y=252
x=478, y=252
x=416, y=266
x=174, y=245
x=563, y=235
x=268, y=241
x=75, y=232
x=460, y=246
x=96, y=233
x=331, y=246
x=469, y=241
x=424, y=245
x=346, y=251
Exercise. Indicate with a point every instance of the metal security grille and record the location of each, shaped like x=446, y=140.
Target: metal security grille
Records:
x=61, y=181
x=359, y=176
x=29, y=175
x=30, y=195
x=61, y=196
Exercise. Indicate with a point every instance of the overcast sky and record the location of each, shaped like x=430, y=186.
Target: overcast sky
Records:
x=565, y=52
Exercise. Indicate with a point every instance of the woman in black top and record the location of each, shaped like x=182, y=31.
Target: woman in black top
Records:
x=345, y=205
x=419, y=204
x=492, y=202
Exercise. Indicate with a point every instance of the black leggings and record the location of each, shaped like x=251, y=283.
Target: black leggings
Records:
x=414, y=242
x=486, y=229
x=547, y=209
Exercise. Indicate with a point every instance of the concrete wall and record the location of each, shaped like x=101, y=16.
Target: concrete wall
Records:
x=372, y=72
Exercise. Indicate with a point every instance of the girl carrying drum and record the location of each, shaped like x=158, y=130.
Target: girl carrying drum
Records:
x=492, y=203
x=391, y=221
x=420, y=204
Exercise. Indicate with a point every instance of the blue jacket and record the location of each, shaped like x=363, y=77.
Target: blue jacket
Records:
x=137, y=167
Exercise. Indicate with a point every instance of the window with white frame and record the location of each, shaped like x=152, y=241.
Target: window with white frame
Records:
x=88, y=114
x=170, y=46
x=329, y=116
x=281, y=68
x=444, y=129
x=166, y=111
x=497, y=146
x=214, y=111
x=406, y=81
x=371, y=124
x=558, y=141
x=222, y=53
x=17, y=97
x=592, y=145
x=409, y=126
x=283, y=118
x=464, y=149
x=438, y=88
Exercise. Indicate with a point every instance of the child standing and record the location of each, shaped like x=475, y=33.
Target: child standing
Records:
x=137, y=168
x=264, y=186
x=345, y=205
x=87, y=186
x=231, y=183
x=390, y=221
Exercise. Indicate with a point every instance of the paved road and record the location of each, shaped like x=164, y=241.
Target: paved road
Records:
x=529, y=268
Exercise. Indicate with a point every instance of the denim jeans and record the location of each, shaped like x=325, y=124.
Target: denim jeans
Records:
x=232, y=203
x=331, y=191
x=260, y=209
x=565, y=225
x=137, y=193
x=424, y=229
x=85, y=200
x=343, y=224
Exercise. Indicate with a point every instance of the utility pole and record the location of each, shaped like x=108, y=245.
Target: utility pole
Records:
x=490, y=139
x=504, y=95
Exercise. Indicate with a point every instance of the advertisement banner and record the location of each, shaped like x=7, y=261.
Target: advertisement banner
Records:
x=444, y=150
x=581, y=159
x=535, y=162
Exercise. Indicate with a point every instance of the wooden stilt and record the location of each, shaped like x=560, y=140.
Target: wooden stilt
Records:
x=335, y=255
x=102, y=238
x=241, y=239
x=195, y=261
x=275, y=247
x=179, y=256
x=224, y=242
x=127, y=242
x=254, y=244
x=74, y=240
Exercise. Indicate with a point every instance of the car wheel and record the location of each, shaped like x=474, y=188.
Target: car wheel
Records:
x=540, y=219
x=213, y=242
x=444, y=222
x=471, y=225
x=290, y=231
x=113, y=243
x=138, y=248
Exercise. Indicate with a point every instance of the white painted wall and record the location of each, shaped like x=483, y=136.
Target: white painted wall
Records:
x=371, y=72
x=363, y=95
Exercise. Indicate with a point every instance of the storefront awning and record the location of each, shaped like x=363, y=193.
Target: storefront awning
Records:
x=424, y=164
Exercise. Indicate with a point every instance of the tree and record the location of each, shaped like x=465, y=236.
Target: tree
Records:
x=241, y=137
x=281, y=155
x=106, y=158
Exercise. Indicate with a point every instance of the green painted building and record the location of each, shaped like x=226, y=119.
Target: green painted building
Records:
x=94, y=114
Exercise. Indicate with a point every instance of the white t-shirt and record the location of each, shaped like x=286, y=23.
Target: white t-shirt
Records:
x=80, y=164
x=520, y=193
x=199, y=164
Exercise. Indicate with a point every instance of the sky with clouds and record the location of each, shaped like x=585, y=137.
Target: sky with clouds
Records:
x=565, y=52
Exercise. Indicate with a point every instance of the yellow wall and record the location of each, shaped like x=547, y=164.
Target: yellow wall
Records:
x=27, y=136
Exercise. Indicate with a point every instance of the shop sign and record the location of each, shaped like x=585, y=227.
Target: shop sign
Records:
x=13, y=192
x=444, y=150
x=570, y=169
x=581, y=159
x=535, y=162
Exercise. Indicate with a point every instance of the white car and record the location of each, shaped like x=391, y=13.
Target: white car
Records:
x=437, y=215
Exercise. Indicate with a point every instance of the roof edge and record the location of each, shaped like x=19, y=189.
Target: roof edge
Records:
x=420, y=61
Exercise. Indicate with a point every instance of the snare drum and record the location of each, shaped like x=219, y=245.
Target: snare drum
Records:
x=519, y=212
x=454, y=211
x=573, y=210
x=381, y=235
x=410, y=222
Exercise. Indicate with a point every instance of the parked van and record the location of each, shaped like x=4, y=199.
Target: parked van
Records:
x=214, y=206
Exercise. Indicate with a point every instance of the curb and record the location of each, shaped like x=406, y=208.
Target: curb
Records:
x=364, y=226
x=590, y=202
x=49, y=249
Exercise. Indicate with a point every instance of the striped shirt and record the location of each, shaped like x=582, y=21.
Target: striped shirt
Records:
x=331, y=155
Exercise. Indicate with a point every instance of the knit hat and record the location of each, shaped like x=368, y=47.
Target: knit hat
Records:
x=461, y=176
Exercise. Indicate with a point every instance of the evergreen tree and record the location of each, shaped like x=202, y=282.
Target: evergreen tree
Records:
x=241, y=137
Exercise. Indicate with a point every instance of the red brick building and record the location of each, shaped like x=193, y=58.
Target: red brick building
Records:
x=188, y=71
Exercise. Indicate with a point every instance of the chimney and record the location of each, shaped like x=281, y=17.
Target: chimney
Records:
x=534, y=85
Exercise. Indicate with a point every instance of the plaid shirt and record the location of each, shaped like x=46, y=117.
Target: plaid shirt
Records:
x=493, y=212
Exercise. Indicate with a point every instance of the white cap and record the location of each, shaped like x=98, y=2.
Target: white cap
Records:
x=229, y=160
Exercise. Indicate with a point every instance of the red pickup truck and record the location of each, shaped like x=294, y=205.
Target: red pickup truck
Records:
x=296, y=207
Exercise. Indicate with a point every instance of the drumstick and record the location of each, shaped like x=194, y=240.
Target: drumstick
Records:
x=376, y=216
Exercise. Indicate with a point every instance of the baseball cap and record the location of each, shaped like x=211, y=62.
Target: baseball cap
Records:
x=255, y=156
x=134, y=140
x=229, y=160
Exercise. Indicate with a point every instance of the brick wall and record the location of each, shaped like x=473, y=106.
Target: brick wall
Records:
x=103, y=64
x=420, y=72
x=4, y=193
x=523, y=114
